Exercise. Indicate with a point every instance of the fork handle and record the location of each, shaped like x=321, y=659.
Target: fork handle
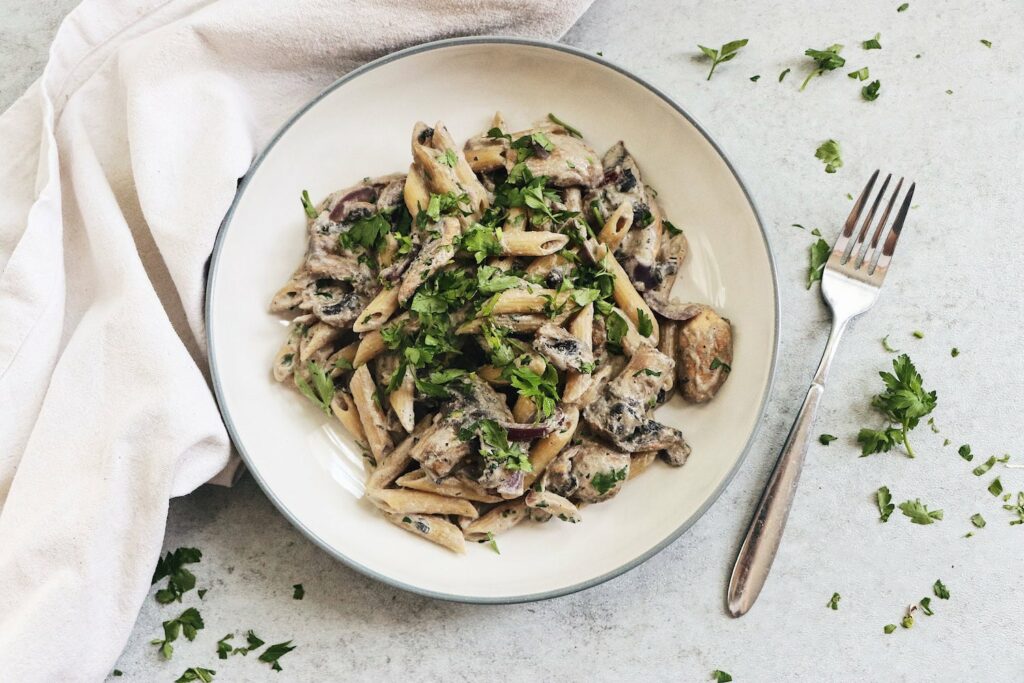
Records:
x=757, y=553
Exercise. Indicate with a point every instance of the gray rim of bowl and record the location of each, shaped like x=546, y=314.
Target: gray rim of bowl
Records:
x=232, y=432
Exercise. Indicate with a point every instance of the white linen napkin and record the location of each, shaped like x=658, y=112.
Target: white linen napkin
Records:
x=116, y=168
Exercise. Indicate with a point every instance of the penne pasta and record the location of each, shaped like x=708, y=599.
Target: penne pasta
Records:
x=415, y=193
x=364, y=395
x=452, y=487
x=546, y=448
x=532, y=243
x=640, y=462
x=399, y=501
x=401, y=400
x=617, y=225
x=626, y=296
x=500, y=518
x=436, y=529
x=553, y=504
x=344, y=408
x=398, y=460
x=484, y=159
x=370, y=346
x=315, y=338
x=378, y=311
x=581, y=327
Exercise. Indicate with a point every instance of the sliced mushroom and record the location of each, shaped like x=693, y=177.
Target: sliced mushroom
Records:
x=588, y=472
x=435, y=253
x=565, y=351
x=337, y=304
x=570, y=162
x=705, y=355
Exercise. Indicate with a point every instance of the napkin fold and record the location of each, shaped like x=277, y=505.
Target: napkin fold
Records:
x=116, y=169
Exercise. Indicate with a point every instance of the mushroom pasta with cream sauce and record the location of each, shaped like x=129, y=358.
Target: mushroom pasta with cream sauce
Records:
x=495, y=328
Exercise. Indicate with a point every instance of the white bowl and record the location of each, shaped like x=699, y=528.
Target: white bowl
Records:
x=361, y=126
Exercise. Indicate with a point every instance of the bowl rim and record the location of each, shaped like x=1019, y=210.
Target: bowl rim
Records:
x=215, y=376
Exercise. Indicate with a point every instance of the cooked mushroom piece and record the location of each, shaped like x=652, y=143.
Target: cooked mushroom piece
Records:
x=588, y=472
x=704, y=355
x=335, y=303
x=565, y=351
x=570, y=161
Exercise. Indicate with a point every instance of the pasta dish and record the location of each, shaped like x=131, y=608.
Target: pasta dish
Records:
x=495, y=328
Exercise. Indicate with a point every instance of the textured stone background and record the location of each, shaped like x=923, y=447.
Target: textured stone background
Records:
x=957, y=278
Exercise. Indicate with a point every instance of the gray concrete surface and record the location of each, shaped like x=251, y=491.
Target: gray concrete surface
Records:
x=957, y=279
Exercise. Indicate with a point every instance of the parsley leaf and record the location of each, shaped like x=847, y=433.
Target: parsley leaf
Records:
x=196, y=673
x=872, y=43
x=575, y=132
x=926, y=606
x=307, y=205
x=833, y=602
x=449, y=158
x=819, y=252
x=482, y=242
x=870, y=91
x=616, y=328
x=783, y=74
x=224, y=647
x=977, y=520
x=983, y=467
x=825, y=60
x=830, y=154
x=996, y=487
x=298, y=592
x=1017, y=509
x=885, y=505
x=323, y=385
x=986, y=43
x=494, y=445
x=644, y=325
x=903, y=7
x=919, y=512
x=717, y=362
x=723, y=54
x=367, y=232
x=861, y=74
x=904, y=402
x=940, y=590
x=274, y=652
x=181, y=580
x=720, y=676
x=965, y=453
x=541, y=388
x=490, y=537
x=889, y=628
x=188, y=624
x=888, y=347
x=954, y=352
x=603, y=482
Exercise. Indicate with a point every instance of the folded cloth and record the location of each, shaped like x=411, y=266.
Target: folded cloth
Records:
x=116, y=168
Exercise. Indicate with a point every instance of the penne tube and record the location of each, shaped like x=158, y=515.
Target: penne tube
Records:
x=287, y=357
x=399, y=501
x=542, y=265
x=553, y=504
x=370, y=346
x=498, y=519
x=524, y=409
x=341, y=360
x=515, y=221
x=498, y=121
x=452, y=487
x=398, y=460
x=519, y=322
x=344, y=408
x=378, y=311
x=617, y=225
x=532, y=242
x=315, y=338
x=485, y=158
x=581, y=327
x=401, y=400
x=290, y=296
x=632, y=339
x=364, y=394
x=529, y=300
x=492, y=374
x=415, y=193
x=436, y=529
x=626, y=296
x=546, y=448
x=463, y=172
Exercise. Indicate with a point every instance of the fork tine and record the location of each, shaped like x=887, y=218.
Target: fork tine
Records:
x=839, y=248
x=870, y=249
x=897, y=227
x=855, y=249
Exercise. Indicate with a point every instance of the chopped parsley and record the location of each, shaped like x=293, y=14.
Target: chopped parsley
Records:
x=873, y=43
x=826, y=439
x=861, y=74
x=965, y=453
x=830, y=154
x=720, y=676
x=494, y=445
x=940, y=590
x=819, y=253
x=824, y=60
x=307, y=205
x=187, y=624
x=482, y=241
x=986, y=43
x=755, y=78
x=717, y=362
x=492, y=543
x=722, y=54
x=889, y=628
x=224, y=647
x=367, y=233
x=903, y=403
x=903, y=7
x=996, y=487
x=954, y=352
x=298, y=592
x=870, y=91
x=926, y=606
x=983, y=467
x=1017, y=509
x=885, y=504
x=919, y=513
x=644, y=324
x=449, y=158
x=888, y=347
x=322, y=391
x=196, y=673
x=977, y=520
x=180, y=579
x=571, y=130
x=603, y=482
x=918, y=334
x=541, y=388
x=274, y=652
x=833, y=602
x=783, y=74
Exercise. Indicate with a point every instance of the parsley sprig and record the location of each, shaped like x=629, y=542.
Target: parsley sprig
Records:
x=903, y=403
x=187, y=624
x=722, y=54
x=180, y=579
x=824, y=60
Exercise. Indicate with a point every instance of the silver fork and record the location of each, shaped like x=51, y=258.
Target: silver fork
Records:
x=850, y=284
